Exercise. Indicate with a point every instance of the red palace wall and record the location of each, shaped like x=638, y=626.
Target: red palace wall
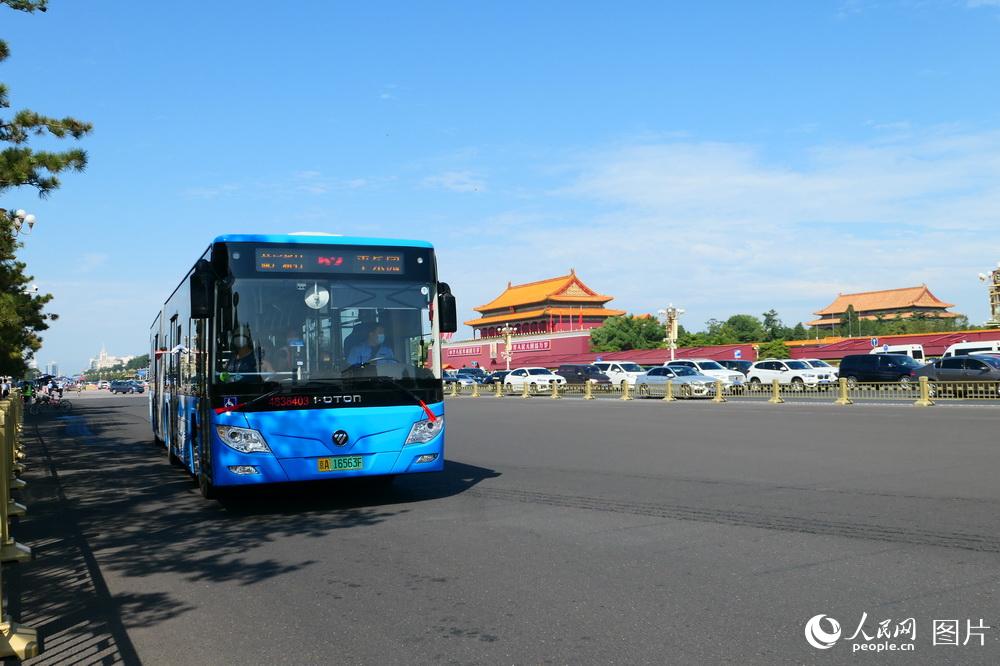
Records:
x=552, y=350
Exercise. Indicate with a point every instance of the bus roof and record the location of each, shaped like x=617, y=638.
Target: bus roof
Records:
x=319, y=239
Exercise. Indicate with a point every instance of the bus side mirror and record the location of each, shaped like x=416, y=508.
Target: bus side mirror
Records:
x=447, y=314
x=202, y=288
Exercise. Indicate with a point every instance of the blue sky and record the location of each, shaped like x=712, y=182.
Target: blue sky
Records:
x=724, y=156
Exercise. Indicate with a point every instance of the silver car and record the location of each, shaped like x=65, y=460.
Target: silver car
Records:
x=687, y=382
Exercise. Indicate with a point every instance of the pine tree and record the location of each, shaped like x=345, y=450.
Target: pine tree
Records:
x=21, y=312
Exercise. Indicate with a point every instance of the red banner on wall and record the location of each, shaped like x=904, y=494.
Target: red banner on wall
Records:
x=534, y=345
x=465, y=351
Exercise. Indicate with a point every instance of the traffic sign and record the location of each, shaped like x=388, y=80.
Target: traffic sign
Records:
x=885, y=348
x=738, y=353
x=874, y=343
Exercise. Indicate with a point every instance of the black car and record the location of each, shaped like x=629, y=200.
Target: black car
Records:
x=738, y=366
x=477, y=375
x=125, y=386
x=496, y=377
x=582, y=373
x=879, y=368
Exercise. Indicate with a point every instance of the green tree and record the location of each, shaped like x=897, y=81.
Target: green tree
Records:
x=628, y=332
x=742, y=328
x=774, y=349
x=773, y=328
x=138, y=362
x=21, y=312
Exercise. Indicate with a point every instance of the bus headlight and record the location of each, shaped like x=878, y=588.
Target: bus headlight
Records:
x=243, y=440
x=425, y=431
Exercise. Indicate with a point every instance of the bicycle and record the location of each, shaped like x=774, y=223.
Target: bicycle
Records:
x=49, y=404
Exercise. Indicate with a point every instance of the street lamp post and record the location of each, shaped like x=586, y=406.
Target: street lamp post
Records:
x=670, y=315
x=22, y=222
x=508, y=353
x=993, y=282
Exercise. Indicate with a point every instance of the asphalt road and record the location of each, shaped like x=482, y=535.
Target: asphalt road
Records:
x=561, y=532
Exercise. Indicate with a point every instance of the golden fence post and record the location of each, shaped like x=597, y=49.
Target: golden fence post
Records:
x=626, y=392
x=499, y=388
x=925, y=394
x=588, y=390
x=475, y=390
x=454, y=389
x=718, y=392
x=776, y=393
x=524, y=390
x=15, y=640
x=555, y=390
x=669, y=395
x=10, y=550
x=843, y=398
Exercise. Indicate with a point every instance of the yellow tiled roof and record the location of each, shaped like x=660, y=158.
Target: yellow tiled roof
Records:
x=568, y=288
x=887, y=316
x=887, y=299
x=544, y=312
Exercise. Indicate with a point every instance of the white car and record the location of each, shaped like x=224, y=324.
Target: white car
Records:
x=822, y=366
x=713, y=369
x=792, y=372
x=537, y=379
x=620, y=372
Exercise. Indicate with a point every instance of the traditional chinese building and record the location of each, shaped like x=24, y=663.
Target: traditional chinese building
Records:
x=887, y=304
x=558, y=304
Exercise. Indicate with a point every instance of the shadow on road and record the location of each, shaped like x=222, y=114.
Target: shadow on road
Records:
x=103, y=500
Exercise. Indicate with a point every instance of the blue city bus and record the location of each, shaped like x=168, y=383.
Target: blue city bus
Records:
x=299, y=357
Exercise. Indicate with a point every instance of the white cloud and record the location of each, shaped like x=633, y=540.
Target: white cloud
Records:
x=456, y=181
x=720, y=229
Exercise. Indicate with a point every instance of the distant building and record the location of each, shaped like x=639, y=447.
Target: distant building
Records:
x=888, y=304
x=105, y=361
x=52, y=368
x=554, y=305
x=553, y=319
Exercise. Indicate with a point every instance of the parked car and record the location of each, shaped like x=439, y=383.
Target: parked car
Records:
x=879, y=368
x=537, y=379
x=823, y=366
x=969, y=348
x=125, y=386
x=707, y=366
x=452, y=377
x=687, y=382
x=103, y=384
x=978, y=368
x=792, y=372
x=915, y=352
x=475, y=374
x=620, y=372
x=495, y=376
x=736, y=364
x=582, y=373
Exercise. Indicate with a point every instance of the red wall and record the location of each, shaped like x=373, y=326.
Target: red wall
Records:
x=551, y=352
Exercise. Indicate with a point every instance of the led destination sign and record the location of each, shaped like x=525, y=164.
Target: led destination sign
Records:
x=327, y=260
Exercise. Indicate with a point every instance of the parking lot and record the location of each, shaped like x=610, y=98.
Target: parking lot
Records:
x=561, y=531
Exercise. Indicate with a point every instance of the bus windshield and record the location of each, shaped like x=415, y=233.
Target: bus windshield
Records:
x=300, y=330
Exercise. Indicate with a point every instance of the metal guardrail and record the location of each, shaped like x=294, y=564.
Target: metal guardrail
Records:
x=922, y=393
x=15, y=640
